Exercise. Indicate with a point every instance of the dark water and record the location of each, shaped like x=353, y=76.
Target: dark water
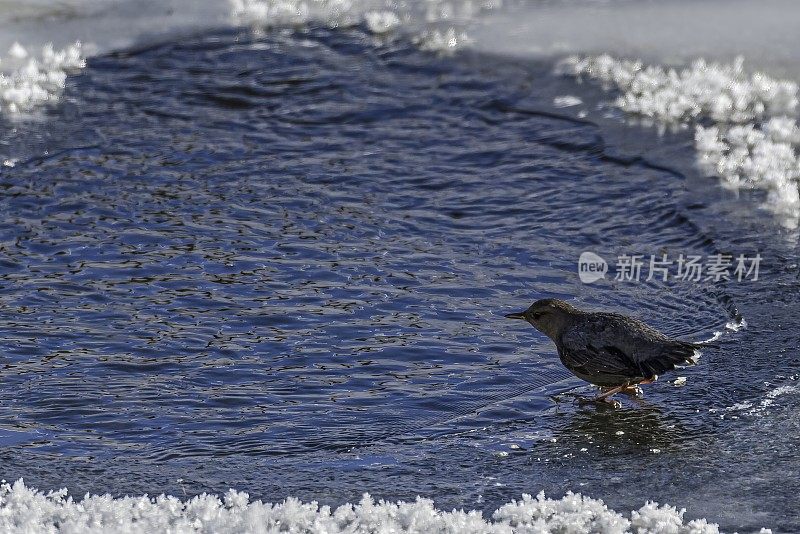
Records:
x=280, y=264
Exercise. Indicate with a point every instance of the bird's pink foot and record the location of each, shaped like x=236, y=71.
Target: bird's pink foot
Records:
x=632, y=391
x=607, y=393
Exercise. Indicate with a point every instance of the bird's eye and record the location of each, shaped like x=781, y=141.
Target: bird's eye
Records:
x=536, y=315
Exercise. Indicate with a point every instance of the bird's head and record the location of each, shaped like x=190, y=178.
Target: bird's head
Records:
x=548, y=316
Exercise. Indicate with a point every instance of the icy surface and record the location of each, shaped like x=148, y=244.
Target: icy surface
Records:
x=29, y=81
x=442, y=41
x=282, y=12
x=434, y=25
x=381, y=21
x=567, y=101
x=24, y=509
x=38, y=80
x=674, y=31
x=745, y=130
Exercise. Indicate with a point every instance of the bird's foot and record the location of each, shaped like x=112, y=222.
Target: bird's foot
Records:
x=633, y=391
x=607, y=393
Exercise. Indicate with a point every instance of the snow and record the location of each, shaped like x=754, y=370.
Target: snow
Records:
x=381, y=21
x=25, y=509
x=271, y=13
x=17, y=51
x=39, y=80
x=434, y=25
x=722, y=92
x=344, y=12
x=745, y=130
x=29, y=81
x=443, y=42
x=567, y=101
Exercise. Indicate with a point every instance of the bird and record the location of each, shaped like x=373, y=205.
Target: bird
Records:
x=610, y=350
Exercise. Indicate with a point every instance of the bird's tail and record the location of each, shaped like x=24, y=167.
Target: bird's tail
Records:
x=676, y=354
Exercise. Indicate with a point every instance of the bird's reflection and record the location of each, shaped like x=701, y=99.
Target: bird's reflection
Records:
x=643, y=427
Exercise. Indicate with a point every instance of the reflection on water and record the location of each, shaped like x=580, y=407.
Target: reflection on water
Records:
x=626, y=431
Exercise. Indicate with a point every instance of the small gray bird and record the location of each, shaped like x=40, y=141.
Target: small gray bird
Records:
x=607, y=349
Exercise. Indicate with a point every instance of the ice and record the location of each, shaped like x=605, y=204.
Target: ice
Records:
x=39, y=80
x=769, y=398
x=736, y=324
x=444, y=42
x=271, y=13
x=745, y=130
x=17, y=51
x=434, y=25
x=381, y=21
x=25, y=509
x=759, y=408
x=724, y=93
x=416, y=15
x=567, y=101
x=666, y=31
x=652, y=518
x=30, y=80
x=104, y=25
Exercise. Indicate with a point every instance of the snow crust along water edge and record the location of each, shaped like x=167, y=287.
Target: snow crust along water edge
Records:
x=744, y=119
x=25, y=509
x=42, y=42
x=745, y=126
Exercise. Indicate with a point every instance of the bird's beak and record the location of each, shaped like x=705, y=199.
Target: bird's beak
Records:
x=520, y=315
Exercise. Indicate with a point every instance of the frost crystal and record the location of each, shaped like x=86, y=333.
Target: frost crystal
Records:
x=38, y=81
x=24, y=509
x=381, y=21
x=745, y=132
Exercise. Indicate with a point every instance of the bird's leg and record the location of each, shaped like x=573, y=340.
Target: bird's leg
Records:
x=604, y=396
x=634, y=390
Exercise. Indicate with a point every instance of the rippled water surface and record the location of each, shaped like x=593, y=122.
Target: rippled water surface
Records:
x=281, y=264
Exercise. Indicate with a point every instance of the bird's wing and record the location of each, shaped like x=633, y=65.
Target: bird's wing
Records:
x=590, y=355
x=665, y=356
x=650, y=351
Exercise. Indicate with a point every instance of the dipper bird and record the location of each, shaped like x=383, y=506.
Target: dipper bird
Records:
x=609, y=350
